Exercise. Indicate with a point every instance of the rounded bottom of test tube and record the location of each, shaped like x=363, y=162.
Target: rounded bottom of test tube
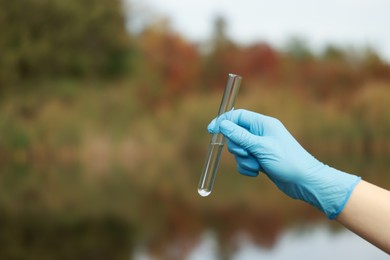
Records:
x=204, y=192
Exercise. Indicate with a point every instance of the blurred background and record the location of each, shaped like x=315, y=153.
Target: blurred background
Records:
x=103, y=112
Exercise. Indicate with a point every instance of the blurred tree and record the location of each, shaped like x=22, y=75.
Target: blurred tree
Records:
x=167, y=64
x=220, y=38
x=222, y=58
x=331, y=79
x=49, y=38
x=332, y=52
x=261, y=62
x=298, y=49
x=373, y=65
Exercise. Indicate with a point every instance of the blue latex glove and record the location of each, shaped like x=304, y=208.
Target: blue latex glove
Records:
x=262, y=143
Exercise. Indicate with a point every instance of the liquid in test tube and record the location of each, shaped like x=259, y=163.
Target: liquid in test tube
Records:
x=210, y=168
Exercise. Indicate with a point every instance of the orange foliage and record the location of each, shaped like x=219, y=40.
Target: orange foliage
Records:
x=261, y=61
x=258, y=61
x=169, y=58
x=174, y=66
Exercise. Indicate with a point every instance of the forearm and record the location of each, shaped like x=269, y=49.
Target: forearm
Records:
x=367, y=213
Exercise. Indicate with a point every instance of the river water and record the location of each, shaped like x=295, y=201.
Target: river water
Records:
x=315, y=242
x=119, y=215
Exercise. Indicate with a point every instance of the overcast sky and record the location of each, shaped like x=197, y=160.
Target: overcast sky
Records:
x=343, y=22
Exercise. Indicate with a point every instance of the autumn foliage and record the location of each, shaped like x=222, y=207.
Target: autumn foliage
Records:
x=103, y=130
x=84, y=39
x=175, y=66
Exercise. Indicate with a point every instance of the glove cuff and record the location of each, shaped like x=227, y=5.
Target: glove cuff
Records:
x=335, y=210
x=333, y=191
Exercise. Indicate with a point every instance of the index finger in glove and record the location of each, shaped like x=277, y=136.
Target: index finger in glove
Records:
x=241, y=117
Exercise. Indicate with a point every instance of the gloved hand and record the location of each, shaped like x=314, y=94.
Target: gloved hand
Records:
x=262, y=143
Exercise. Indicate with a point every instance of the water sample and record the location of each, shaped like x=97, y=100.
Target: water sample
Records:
x=210, y=168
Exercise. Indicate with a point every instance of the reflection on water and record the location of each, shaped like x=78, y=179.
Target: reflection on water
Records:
x=318, y=243
x=122, y=214
x=310, y=243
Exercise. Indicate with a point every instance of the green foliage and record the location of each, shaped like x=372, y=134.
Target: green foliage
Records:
x=299, y=49
x=51, y=38
x=332, y=52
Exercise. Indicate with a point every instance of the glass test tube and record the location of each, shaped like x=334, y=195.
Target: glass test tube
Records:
x=217, y=140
